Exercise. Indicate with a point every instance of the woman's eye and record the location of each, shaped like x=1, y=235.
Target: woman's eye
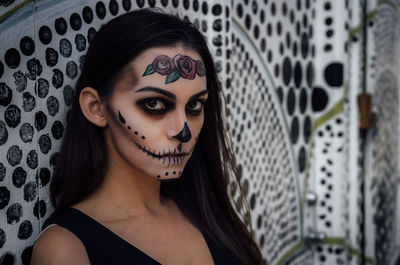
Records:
x=154, y=104
x=195, y=105
x=194, y=108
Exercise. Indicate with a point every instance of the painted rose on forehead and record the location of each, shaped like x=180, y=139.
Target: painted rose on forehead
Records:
x=179, y=66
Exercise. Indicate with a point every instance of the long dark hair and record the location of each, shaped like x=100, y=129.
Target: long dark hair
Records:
x=202, y=191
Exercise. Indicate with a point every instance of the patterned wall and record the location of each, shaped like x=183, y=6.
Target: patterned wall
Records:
x=291, y=69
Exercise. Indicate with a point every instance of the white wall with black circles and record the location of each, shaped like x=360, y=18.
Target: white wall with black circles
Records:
x=291, y=71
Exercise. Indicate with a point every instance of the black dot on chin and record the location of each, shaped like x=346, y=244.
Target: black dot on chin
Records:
x=158, y=176
x=143, y=137
x=174, y=172
x=129, y=127
x=166, y=173
x=136, y=132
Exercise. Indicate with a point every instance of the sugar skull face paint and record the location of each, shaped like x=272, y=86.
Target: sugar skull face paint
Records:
x=154, y=125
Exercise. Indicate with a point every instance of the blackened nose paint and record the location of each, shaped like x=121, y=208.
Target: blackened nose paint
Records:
x=184, y=135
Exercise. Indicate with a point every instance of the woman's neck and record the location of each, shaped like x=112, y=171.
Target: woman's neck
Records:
x=126, y=192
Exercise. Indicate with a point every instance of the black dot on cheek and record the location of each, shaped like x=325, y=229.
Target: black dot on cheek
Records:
x=129, y=127
x=136, y=132
x=174, y=172
x=143, y=137
x=158, y=176
x=166, y=173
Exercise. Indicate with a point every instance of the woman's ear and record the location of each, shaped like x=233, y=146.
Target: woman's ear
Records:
x=93, y=108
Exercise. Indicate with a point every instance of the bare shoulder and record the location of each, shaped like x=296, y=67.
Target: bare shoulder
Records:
x=57, y=245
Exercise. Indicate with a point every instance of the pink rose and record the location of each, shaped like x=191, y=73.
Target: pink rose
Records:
x=163, y=65
x=185, y=65
x=200, y=68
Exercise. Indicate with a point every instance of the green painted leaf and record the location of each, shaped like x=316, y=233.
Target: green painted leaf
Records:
x=149, y=70
x=173, y=76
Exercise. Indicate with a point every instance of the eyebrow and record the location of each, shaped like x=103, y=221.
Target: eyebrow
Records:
x=203, y=92
x=169, y=94
x=158, y=90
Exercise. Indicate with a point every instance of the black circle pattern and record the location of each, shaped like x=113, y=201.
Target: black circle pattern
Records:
x=289, y=23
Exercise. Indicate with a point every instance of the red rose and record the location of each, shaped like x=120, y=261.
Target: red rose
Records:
x=163, y=65
x=200, y=68
x=185, y=65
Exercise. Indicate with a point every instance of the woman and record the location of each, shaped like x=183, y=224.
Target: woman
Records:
x=142, y=174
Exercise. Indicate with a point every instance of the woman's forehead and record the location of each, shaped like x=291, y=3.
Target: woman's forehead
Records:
x=168, y=68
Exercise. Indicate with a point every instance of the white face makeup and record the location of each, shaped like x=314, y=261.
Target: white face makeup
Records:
x=157, y=111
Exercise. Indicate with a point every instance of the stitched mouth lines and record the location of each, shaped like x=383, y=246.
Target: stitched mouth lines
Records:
x=171, y=157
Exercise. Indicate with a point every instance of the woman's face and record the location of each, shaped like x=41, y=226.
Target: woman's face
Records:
x=156, y=111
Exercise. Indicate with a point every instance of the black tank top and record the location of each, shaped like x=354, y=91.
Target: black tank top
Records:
x=104, y=247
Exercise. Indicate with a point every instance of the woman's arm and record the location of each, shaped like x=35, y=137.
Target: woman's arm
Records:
x=58, y=246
